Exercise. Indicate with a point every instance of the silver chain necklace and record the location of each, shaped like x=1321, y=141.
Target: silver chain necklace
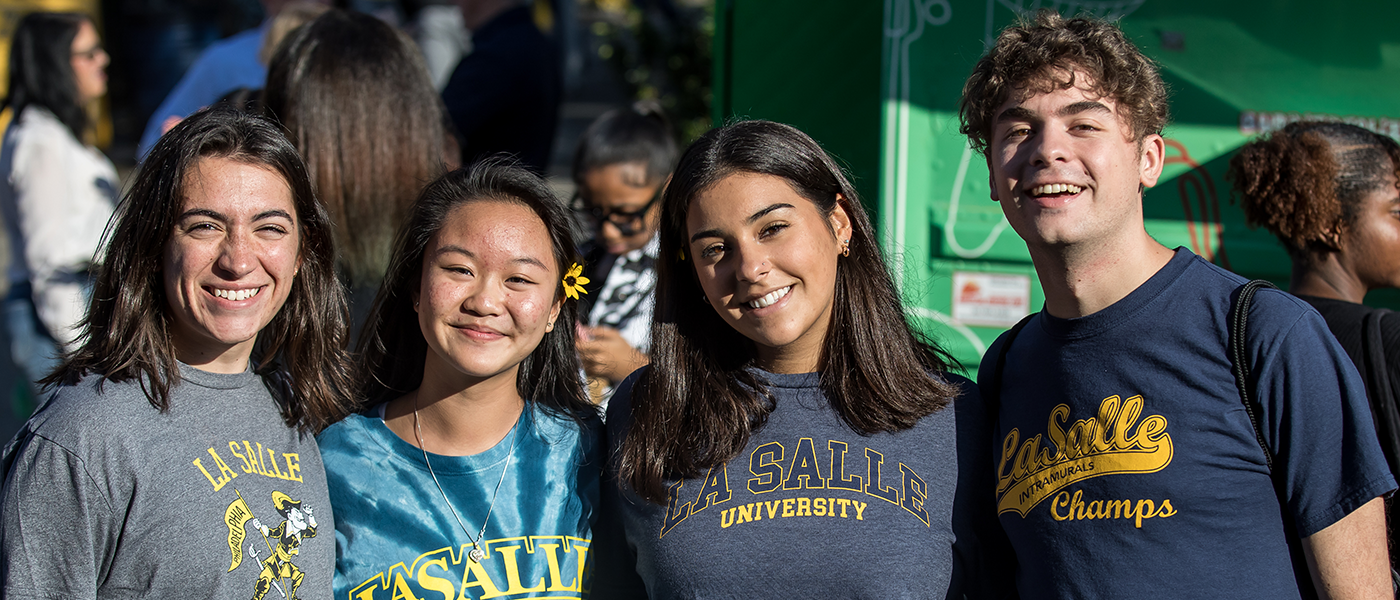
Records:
x=477, y=554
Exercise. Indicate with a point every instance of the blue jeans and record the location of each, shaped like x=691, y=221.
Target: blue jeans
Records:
x=33, y=350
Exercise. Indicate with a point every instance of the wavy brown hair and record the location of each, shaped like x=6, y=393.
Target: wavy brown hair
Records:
x=126, y=335
x=697, y=405
x=1041, y=53
x=358, y=103
x=1305, y=182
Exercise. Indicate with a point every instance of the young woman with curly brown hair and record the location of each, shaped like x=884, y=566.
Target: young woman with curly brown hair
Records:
x=1329, y=191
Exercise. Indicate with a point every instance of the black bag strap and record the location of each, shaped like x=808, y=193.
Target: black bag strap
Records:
x=1239, y=359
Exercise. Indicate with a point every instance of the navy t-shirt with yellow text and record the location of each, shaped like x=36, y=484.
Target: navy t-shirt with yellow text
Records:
x=1127, y=465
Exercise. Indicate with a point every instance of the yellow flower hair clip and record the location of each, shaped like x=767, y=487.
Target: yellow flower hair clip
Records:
x=574, y=282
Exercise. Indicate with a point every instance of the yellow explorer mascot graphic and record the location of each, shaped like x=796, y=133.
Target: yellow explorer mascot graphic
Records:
x=1111, y=442
x=282, y=542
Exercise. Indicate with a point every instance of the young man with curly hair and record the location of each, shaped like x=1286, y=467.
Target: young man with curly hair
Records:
x=1127, y=464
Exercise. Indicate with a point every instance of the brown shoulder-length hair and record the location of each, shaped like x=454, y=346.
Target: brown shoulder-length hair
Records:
x=358, y=102
x=697, y=405
x=1305, y=182
x=126, y=335
x=1041, y=53
x=392, y=348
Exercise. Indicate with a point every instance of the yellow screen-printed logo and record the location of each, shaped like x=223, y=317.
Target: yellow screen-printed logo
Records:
x=1112, y=442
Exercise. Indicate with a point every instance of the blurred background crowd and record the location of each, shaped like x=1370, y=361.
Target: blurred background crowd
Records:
x=425, y=83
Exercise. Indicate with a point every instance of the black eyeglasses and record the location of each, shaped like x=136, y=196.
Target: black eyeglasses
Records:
x=90, y=54
x=627, y=222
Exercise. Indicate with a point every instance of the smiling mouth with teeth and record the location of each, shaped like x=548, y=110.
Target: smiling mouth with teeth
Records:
x=1055, y=188
x=236, y=295
x=770, y=298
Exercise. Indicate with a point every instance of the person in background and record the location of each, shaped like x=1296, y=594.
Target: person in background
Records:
x=438, y=28
x=793, y=437
x=476, y=452
x=623, y=162
x=226, y=65
x=57, y=192
x=1329, y=192
x=355, y=98
x=1128, y=464
x=504, y=96
x=176, y=456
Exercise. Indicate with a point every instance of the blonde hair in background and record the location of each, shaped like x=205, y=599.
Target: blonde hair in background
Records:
x=292, y=16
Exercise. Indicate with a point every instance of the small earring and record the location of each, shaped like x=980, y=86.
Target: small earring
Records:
x=846, y=248
x=704, y=298
x=549, y=327
x=415, y=305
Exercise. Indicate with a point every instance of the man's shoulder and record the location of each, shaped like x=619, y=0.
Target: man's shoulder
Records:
x=1221, y=287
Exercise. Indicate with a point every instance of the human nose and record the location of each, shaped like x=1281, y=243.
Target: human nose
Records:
x=609, y=230
x=1049, y=146
x=237, y=256
x=753, y=264
x=484, y=299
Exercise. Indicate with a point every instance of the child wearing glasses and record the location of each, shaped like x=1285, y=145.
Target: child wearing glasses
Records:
x=624, y=160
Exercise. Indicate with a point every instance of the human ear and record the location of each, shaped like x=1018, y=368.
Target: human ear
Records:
x=554, y=313
x=1333, y=238
x=992, y=181
x=840, y=222
x=1154, y=151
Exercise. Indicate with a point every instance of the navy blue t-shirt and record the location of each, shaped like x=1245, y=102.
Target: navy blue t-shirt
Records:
x=1127, y=466
x=809, y=509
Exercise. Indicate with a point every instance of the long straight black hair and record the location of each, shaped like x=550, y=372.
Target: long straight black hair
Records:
x=41, y=68
x=392, y=347
x=696, y=407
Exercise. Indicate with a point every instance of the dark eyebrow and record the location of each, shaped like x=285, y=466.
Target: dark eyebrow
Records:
x=218, y=216
x=274, y=213
x=1021, y=113
x=1015, y=113
x=1082, y=107
x=468, y=253
x=203, y=212
x=759, y=215
x=754, y=217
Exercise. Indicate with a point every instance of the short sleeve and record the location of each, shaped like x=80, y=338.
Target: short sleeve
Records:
x=56, y=540
x=1318, y=422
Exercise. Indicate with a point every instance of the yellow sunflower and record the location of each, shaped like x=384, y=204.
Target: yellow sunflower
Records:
x=574, y=282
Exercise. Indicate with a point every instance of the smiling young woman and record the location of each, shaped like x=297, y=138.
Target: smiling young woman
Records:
x=213, y=345
x=476, y=433
x=791, y=415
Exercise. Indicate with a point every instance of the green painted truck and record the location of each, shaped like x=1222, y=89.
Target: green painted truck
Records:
x=878, y=82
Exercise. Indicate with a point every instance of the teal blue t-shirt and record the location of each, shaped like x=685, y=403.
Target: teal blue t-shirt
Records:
x=396, y=538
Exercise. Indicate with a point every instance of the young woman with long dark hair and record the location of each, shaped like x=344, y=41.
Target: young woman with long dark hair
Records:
x=477, y=454
x=56, y=190
x=176, y=455
x=794, y=436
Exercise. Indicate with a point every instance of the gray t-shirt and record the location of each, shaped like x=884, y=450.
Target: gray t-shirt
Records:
x=809, y=509
x=105, y=497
